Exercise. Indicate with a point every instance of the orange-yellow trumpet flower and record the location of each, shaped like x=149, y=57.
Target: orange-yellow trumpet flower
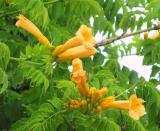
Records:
x=134, y=105
x=74, y=104
x=77, y=52
x=85, y=33
x=27, y=25
x=73, y=42
x=77, y=64
x=81, y=45
x=96, y=94
x=79, y=76
x=106, y=102
x=136, y=109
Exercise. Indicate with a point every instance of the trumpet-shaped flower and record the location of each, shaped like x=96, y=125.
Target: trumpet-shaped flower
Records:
x=96, y=94
x=77, y=65
x=136, y=109
x=85, y=33
x=134, y=105
x=27, y=25
x=74, y=104
x=77, y=52
x=73, y=42
x=80, y=46
x=79, y=76
x=106, y=102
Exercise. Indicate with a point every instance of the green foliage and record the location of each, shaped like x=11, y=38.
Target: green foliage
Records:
x=47, y=117
x=98, y=123
x=35, y=86
x=35, y=9
x=36, y=76
x=4, y=55
x=3, y=81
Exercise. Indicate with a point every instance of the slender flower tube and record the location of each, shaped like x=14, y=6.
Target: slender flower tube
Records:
x=73, y=42
x=77, y=52
x=27, y=25
x=122, y=104
x=106, y=102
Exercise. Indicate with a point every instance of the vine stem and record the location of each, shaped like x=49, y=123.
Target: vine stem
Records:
x=111, y=40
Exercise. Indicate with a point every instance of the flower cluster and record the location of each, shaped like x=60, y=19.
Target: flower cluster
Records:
x=80, y=46
x=96, y=98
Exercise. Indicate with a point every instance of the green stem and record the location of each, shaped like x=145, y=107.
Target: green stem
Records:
x=9, y=13
x=15, y=59
x=132, y=87
x=23, y=60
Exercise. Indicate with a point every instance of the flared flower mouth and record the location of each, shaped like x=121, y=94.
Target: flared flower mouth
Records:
x=136, y=109
x=85, y=33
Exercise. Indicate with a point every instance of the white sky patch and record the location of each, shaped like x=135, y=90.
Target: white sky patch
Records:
x=134, y=62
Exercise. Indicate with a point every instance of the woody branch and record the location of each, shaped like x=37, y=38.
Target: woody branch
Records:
x=111, y=40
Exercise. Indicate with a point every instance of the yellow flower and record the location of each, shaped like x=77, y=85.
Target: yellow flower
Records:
x=80, y=46
x=79, y=76
x=103, y=91
x=77, y=65
x=85, y=33
x=136, y=109
x=27, y=25
x=121, y=104
x=134, y=105
x=74, y=104
x=73, y=42
x=77, y=52
x=96, y=94
x=106, y=102
x=80, y=79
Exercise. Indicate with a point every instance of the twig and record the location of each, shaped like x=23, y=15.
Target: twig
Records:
x=111, y=40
